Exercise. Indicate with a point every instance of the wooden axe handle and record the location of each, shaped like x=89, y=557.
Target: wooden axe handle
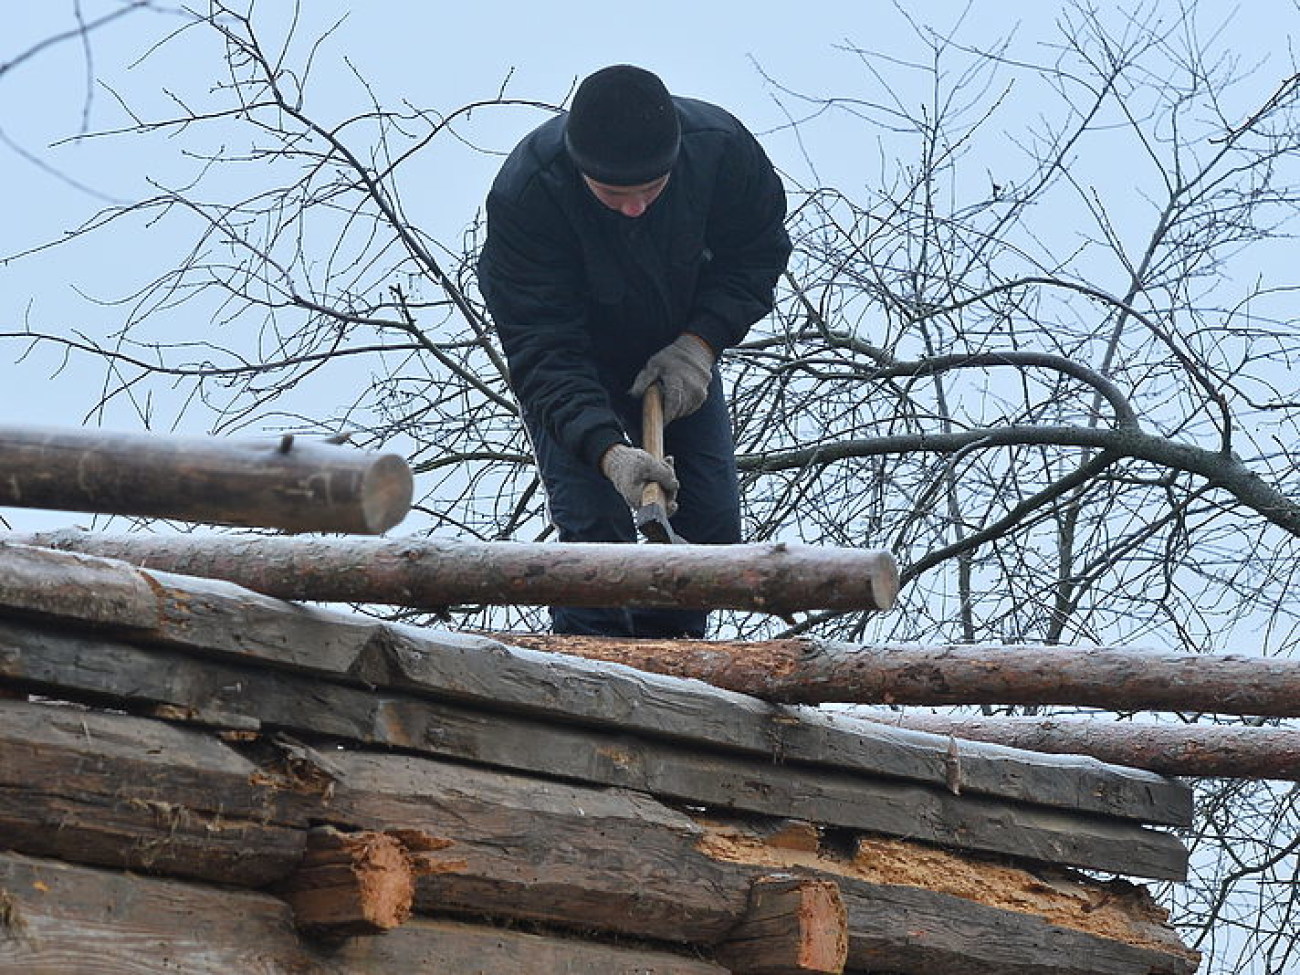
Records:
x=652, y=439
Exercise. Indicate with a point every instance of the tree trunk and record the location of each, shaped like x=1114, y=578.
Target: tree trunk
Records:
x=1221, y=751
x=434, y=574
x=814, y=672
x=291, y=484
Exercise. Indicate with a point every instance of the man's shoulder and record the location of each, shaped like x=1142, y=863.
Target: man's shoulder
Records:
x=539, y=158
x=701, y=117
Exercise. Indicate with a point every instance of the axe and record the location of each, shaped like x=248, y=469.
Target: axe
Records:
x=652, y=516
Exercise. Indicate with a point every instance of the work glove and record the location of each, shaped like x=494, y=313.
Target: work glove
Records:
x=630, y=469
x=684, y=368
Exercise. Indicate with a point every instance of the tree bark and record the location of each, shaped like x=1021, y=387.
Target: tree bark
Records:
x=815, y=672
x=290, y=484
x=1220, y=751
x=433, y=574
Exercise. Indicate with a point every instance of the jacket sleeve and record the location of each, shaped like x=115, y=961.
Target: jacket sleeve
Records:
x=748, y=243
x=530, y=276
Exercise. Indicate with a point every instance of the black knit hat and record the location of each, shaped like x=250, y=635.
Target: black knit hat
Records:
x=623, y=128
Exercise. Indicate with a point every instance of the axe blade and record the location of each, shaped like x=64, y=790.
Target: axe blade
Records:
x=652, y=522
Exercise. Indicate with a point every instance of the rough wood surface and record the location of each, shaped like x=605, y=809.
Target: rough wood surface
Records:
x=587, y=859
x=122, y=792
x=916, y=909
x=1223, y=751
x=351, y=883
x=432, y=574
x=292, y=484
x=812, y=671
x=137, y=676
x=215, y=616
x=60, y=919
x=41, y=582
x=794, y=925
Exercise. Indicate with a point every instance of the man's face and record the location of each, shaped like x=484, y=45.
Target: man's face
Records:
x=631, y=201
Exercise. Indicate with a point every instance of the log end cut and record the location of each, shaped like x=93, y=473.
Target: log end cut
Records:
x=351, y=884
x=386, y=492
x=793, y=925
x=884, y=581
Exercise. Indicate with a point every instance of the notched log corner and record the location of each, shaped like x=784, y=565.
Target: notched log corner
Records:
x=793, y=925
x=348, y=884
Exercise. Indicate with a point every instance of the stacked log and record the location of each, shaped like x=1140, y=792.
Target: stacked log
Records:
x=237, y=783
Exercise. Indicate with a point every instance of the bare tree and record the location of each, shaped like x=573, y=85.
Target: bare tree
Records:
x=1044, y=358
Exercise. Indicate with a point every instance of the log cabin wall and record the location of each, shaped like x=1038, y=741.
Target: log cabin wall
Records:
x=197, y=776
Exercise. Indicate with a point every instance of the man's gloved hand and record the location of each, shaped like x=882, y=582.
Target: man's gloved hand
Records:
x=630, y=469
x=684, y=368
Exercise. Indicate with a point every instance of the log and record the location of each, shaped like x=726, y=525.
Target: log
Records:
x=139, y=795
x=70, y=920
x=794, y=925
x=592, y=861
x=823, y=672
x=1217, y=751
x=918, y=909
x=433, y=574
x=102, y=670
x=206, y=617
x=351, y=883
x=291, y=484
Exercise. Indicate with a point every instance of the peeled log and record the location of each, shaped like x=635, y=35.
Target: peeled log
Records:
x=821, y=672
x=291, y=484
x=434, y=574
x=1221, y=751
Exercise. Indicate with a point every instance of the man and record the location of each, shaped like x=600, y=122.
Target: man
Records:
x=630, y=242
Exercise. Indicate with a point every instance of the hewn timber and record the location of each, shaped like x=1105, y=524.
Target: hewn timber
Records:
x=821, y=672
x=1224, y=751
x=112, y=791
x=293, y=484
x=210, y=616
x=436, y=573
x=133, y=677
x=580, y=858
x=61, y=919
x=794, y=926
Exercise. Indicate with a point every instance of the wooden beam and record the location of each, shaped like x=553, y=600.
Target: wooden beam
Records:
x=134, y=676
x=138, y=795
x=436, y=573
x=351, y=883
x=86, y=786
x=579, y=858
x=1214, y=750
x=214, y=617
x=62, y=919
x=794, y=926
x=293, y=484
x=817, y=671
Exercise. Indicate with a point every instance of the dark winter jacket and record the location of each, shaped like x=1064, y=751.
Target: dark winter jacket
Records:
x=582, y=296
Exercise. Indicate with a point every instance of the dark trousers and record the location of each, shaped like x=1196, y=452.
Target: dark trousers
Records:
x=585, y=507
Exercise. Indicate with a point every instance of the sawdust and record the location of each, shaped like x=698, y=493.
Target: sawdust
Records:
x=1116, y=909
